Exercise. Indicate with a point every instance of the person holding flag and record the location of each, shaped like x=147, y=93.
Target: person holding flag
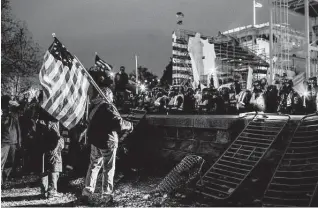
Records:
x=66, y=85
x=104, y=121
x=62, y=101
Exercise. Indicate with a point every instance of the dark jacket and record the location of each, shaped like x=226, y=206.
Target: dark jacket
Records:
x=121, y=83
x=10, y=129
x=104, y=121
x=50, y=142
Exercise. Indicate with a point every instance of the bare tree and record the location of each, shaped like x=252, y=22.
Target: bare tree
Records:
x=20, y=55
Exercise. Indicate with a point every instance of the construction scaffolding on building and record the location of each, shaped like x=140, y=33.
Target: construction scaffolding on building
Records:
x=308, y=9
x=280, y=10
x=281, y=45
x=232, y=58
x=235, y=59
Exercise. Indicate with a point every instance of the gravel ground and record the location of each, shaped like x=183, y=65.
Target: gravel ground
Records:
x=132, y=192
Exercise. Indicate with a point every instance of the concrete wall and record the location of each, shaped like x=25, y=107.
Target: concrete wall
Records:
x=164, y=140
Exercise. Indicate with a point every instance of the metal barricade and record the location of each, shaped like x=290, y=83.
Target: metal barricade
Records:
x=295, y=180
x=242, y=156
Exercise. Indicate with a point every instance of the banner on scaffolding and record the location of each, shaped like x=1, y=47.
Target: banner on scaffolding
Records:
x=193, y=59
x=181, y=62
x=202, y=56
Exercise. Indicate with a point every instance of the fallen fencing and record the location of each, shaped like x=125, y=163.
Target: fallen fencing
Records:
x=187, y=170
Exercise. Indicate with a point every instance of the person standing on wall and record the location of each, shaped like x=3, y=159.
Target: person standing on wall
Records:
x=121, y=82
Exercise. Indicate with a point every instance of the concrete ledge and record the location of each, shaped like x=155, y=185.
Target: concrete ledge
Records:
x=194, y=121
x=168, y=138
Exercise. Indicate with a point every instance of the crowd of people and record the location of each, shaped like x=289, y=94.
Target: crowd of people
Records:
x=232, y=98
x=33, y=139
x=38, y=139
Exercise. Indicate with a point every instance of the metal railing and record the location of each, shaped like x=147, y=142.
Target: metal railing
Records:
x=242, y=156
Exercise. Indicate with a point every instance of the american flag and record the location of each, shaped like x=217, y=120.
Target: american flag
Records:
x=64, y=84
x=100, y=63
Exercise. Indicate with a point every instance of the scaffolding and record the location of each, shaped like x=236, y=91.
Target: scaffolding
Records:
x=280, y=28
x=231, y=58
x=279, y=15
x=235, y=57
x=308, y=9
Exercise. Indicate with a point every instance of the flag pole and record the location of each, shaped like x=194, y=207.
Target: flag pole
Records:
x=89, y=77
x=254, y=15
x=136, y=58
x=271, y=70
x=91, y=80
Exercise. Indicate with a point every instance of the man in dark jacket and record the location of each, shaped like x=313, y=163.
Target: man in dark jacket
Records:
x=104, y=120
x=10, y=135
x=50, y=145
x=121, y=82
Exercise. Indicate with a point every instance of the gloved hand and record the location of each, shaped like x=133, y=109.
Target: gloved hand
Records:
x=111, y=144
x=132, y=128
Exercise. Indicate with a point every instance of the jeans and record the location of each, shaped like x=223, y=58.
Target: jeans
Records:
x=49, y=182
x=99, y=158
x=7, y=159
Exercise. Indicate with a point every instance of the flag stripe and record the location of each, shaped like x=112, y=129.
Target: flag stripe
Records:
x=58, y=80
x=62, y=94
x=57, y=69
x=82, y=102
x=68, y=103
x=78, y=98
x=65, y=85
x=78, y=111
x=70, y=100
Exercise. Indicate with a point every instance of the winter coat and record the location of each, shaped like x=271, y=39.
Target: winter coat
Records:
x=10, y=129
x=50, y=143
x=104, y=120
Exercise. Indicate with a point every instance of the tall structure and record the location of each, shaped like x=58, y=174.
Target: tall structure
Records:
x=292, y=51
x=309, y=10
x=181, y=61
x=231, y=58
x=282, y=45
x=288, y=53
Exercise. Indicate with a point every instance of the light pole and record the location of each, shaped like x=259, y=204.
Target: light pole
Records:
x=270, y=42
x=306, y=4
x=136, y=74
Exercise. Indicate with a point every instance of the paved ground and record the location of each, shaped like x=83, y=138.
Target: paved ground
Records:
x=131, y=192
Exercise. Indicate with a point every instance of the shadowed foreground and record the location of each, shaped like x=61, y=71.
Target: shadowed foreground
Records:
x=25, y=192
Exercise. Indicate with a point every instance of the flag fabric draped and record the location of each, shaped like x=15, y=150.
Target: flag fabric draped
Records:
x=258, y=5
x=102, y=64
x=64, y=84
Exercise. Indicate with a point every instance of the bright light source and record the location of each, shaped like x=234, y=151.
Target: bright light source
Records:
x=112, y=74
x=142, y=87
x=146, y=81
x=306, y=93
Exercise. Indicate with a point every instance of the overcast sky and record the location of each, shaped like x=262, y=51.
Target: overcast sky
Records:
x=118, y=29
